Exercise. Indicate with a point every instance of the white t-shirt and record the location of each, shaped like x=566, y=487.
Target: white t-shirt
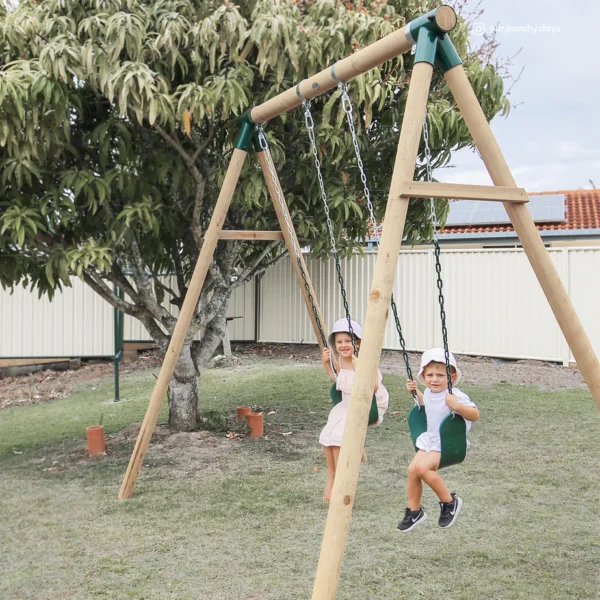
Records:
x=436, y=411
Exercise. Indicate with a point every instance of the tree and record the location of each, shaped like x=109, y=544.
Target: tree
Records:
x=116, y=125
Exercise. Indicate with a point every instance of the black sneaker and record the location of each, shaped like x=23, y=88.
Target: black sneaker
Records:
x=412, y=518
x=449, y=511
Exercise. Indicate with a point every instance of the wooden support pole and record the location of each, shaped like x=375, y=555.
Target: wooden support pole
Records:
x=388, y=47
x=529, y=236
x=289, y=235
x=230, y=234
x=183, y=323
x=346, y=477
x=459, y=191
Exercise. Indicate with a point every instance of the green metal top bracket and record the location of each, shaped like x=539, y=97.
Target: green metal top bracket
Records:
x=430, y=32
x=426, y=46
x=247, y=133
x=446, y=56
x=439, y=21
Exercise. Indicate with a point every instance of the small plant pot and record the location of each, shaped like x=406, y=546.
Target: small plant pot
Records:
x=255, y=420
x=242, y=411
x=95, y=440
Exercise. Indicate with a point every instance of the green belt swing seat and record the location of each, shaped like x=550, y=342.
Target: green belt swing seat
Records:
x=453, y=429
x=336, y=398
x=453, y=435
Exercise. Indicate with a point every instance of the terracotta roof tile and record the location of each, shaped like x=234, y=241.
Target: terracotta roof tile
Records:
x=582, y=212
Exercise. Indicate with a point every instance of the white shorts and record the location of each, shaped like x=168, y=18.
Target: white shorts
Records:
x=429, y=442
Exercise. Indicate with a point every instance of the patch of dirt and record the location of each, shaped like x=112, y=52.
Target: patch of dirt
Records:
x=184, y=452
x=49, y=385
x=477, y=370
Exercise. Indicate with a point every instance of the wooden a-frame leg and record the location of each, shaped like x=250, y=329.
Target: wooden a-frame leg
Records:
x=183, y=322
x=529, y=236
x=346, y=478
x=290, y=238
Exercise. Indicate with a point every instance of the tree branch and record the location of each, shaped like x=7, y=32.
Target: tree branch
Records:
x=173, y=141
x=208, y=312
x=262, y=269
x=145, y=291
x=204, y=145
x=248, y=273
x=105, y=292
x=166, y=288
x=214, y=333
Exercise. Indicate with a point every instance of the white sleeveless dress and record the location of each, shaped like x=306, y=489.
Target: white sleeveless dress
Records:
x=332, y=433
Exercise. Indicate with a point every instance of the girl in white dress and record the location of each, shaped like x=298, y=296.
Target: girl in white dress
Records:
x=331, y=435
x=423, y=468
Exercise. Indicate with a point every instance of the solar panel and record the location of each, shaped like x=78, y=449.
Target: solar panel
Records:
x=548, y=208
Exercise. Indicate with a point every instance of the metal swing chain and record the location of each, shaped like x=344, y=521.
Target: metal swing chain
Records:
x=438, y=264
x=264, y=144
x=348, y=109
x=310, y=126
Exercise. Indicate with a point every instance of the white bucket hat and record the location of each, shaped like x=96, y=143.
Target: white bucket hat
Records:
x=437, y=355
x=341, y=326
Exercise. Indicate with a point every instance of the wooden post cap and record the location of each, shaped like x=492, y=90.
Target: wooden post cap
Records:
x=445, y=18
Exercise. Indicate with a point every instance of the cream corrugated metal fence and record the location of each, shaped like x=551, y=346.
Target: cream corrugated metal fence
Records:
x=494, y=305
x=240, y=310
x=78, y=322
x=493, y=301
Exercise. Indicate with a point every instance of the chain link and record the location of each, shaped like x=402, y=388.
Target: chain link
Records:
x=348, y=109
x=310, y=126
x=438, y=264
x=264, y=144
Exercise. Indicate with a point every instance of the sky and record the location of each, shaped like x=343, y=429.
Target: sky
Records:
x=551, y=137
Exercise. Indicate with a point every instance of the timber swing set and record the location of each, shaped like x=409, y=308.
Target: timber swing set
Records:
x=429, y=33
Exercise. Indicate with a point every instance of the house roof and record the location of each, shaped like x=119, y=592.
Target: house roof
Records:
x=582, y=211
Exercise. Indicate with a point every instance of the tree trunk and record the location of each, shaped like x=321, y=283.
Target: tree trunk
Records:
x=183, y=393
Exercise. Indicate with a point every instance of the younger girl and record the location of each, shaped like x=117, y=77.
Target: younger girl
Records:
x=331, y=436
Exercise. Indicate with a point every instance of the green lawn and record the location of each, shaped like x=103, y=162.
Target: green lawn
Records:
x=244, y=519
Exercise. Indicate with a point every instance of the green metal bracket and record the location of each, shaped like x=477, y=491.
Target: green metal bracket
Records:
x=446, y=56
x=247, y=133
x=244, y=137
x=426, y=46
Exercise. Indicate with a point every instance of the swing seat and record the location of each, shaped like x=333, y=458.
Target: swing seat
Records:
x=336, y=398
x=453, y=433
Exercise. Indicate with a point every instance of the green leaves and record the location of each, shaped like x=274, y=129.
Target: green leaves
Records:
x=90, y=253
x=145, y=213
x=91, y=191
x=117, y=121
x=23, y=223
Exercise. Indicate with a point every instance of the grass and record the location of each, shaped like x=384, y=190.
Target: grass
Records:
x=244, y=520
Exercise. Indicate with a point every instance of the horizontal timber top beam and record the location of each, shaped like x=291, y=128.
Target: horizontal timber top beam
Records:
x=460, y=191
x=440, y=20
x=229, y=234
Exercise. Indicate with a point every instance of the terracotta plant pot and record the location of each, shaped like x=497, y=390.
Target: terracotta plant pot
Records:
x=95, y=440
x=242, y=411
x=255, y=420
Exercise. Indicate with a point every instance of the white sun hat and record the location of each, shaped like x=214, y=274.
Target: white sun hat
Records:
x=341, y=326
x=437, y=355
